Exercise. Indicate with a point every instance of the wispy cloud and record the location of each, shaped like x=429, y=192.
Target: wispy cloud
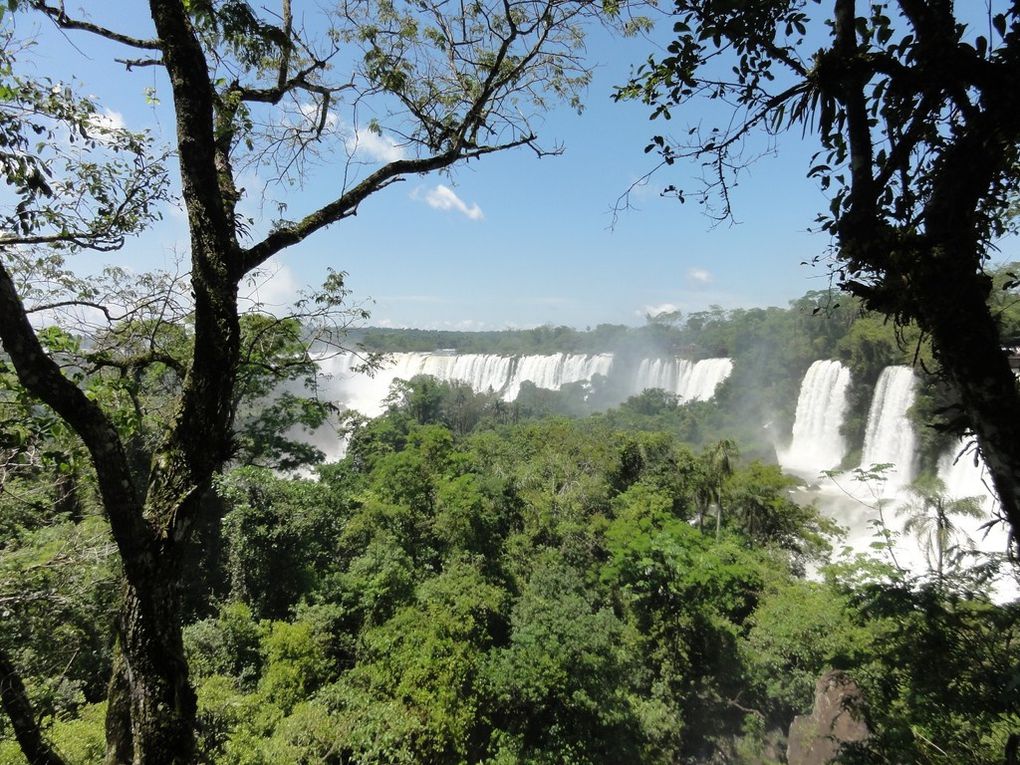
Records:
x=311, y=114
x=109, y=120
x=700, y=275
x=443, y=198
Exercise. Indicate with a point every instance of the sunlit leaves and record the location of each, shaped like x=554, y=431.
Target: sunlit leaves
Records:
x=80, y=179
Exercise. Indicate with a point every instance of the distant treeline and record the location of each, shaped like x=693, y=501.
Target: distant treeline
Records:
x=702, y=334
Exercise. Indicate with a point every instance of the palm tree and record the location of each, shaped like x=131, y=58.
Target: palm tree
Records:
x=930, y=519
x=717, y=463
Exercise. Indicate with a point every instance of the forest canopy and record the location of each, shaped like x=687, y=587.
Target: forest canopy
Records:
x=581, y=577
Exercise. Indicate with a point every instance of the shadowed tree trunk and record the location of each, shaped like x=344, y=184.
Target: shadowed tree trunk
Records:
x=119, y=746
x=22, y=716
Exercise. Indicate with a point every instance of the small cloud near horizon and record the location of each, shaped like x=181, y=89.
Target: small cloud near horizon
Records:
x=443, y=198
x=656, y=310
x=700, y=275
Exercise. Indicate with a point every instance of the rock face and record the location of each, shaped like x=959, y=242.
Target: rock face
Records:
x=837, y=718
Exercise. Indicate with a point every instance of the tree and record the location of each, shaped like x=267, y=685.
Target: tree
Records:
x=717, y=464
x=916, y=115
x=930, y=517
x=758, y=499
x=251, y=90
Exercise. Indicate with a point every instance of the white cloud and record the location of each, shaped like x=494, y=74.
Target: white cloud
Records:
x=700, y=275
x=109, y=120
x=272, y=286
x=655, y=310
x=443, y=198
x=373, y=146
x=466, y=325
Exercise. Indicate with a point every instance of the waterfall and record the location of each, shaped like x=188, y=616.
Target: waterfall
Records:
x=505, y=374
x=965, y=475
x=660, y=373
x=553, y=372
x=817, y=444
x=688, y=380
x=889, y=437
x=483, y=372
x=703, y=379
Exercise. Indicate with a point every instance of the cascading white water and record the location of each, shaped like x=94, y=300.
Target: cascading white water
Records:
x=705, y=377
x=553, y=372
x=483, y=372
x=817, y=444
x=689, y=380
x=889, y=436
x=964, y=473
x=663, y=374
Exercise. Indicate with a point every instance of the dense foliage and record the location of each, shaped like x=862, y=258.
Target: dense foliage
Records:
x=542, y=591
x=473, y=583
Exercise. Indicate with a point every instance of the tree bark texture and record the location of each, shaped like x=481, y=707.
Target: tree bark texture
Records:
x=161, y=701
x=119, y=744
x=19, y=709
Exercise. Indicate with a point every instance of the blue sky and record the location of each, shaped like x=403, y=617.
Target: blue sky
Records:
x=512, y=240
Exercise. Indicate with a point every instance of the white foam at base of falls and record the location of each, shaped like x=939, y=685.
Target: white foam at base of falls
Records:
x=890, y=438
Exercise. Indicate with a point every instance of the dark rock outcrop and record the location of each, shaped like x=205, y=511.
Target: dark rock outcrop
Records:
x=837, y=718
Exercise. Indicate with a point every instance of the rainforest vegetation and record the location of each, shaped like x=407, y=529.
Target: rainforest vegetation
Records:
x=571, y=578
x=539, y=581
x=462, y=588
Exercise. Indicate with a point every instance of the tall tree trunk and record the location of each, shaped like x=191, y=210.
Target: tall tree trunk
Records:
x=120, y=747
x=162, y=702
x=967, y=344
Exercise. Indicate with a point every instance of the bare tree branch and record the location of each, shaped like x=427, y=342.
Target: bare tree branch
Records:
x=62, y=20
